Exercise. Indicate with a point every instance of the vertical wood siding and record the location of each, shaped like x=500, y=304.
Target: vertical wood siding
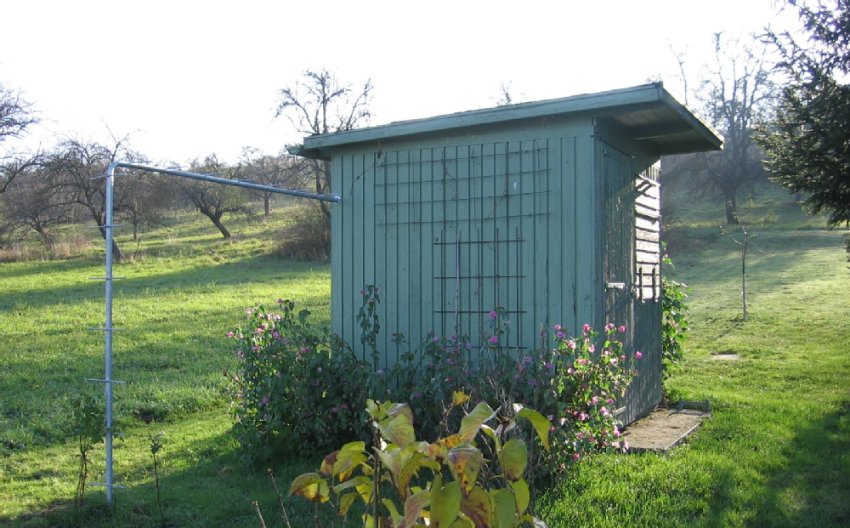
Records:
x=451, y=229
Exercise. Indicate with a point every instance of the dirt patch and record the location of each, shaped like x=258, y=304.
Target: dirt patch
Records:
x=663, y=429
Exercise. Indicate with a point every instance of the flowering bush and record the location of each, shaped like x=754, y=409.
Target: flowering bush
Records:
x=577, y=384
x=297, y=387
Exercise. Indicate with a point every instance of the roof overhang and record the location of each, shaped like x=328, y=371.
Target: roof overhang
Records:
x=646, y=114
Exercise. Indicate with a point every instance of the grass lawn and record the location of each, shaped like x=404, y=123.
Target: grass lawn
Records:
x=776, y=451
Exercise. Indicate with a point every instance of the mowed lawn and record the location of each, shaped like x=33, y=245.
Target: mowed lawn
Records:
x=776, y=451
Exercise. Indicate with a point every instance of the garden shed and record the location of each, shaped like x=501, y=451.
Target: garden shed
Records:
x=548, y=209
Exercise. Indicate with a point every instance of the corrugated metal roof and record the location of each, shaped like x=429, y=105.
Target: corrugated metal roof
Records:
x=647, y=114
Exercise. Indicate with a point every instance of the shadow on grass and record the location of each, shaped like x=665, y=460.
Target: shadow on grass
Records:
x=807, y=485
x=812, y=487
x=263, y=268
x=216, y=488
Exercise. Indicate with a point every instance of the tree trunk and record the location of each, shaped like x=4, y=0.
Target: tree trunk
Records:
x=117, y=256
x=732, y=211
x=216, y=219
x=267, y=203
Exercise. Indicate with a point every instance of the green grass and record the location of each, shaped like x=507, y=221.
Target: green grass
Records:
x=776, y=451
x=184, y=287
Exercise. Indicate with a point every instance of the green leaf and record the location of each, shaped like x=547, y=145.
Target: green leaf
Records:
x=504, y=508
x=311, y=486
x=478, y=507
x=445, y=502
x=489, y=431
x=472, y=421
x=394, y=514
x=513, y=458
x=538, y=421
x=413, y=506
x=399, y=430
x=355, y=483
x=521, y=494
x=345, y=503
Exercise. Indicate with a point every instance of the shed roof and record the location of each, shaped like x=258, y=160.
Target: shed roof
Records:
x=647, y=114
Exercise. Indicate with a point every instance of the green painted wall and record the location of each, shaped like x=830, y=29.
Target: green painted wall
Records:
x=452, y=226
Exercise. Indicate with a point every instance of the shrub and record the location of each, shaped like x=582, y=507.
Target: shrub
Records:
x=674, y=323
x=473, y=477
x=309, y=236
x=297, y=387
x=576, y=384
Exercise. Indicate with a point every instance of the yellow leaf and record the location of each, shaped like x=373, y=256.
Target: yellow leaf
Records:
x=459, y=398
x=465, y=463
x=311, y=486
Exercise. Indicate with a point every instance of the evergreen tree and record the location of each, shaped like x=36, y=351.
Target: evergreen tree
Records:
x=807, y=145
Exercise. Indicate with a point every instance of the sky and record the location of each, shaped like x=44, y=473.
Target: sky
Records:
x=184, y=79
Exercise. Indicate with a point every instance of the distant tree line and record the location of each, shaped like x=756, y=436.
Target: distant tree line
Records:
x=784, y=120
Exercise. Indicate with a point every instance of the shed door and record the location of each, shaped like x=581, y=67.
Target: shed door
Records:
x=619, y=239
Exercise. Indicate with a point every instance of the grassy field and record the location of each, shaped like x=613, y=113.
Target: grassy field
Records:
x=776, y=451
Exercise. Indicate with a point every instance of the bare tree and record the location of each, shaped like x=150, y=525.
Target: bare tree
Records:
x=736, y=97
x=215, y=200
x=76, y=167
x=146, y=199
x=16, y=116
x=321, y=104
x=282, y=170
x=34, y=202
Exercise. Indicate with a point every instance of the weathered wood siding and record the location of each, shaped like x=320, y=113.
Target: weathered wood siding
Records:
x=645, y=391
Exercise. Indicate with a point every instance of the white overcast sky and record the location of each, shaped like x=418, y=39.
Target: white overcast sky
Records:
x=187, y=78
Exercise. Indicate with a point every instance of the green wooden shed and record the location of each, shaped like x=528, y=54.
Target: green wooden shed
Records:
x=549, y=209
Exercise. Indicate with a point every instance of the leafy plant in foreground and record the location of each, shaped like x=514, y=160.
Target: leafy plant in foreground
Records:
x=88, y=419
x=157, y=441
x=474, y=477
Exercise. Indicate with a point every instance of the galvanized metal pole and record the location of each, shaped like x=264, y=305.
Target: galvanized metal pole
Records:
x=107, y=227
x=107, y=330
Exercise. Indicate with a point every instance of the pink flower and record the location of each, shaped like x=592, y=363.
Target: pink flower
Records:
x=586, y=328
x=622, y=329
x=638, y=354
x=604, y=411
x=609, y=327
x=493, y=314
x=230, y=334
x=494, y=340
x=576, y=456
x=557, y=328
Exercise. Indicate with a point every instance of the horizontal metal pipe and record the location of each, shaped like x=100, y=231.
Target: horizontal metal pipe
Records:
x=334, y=198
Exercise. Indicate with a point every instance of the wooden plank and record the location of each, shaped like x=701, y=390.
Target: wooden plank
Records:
x=649, y=224
x=646, y=212
x=648, y=236
x=650, y=202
